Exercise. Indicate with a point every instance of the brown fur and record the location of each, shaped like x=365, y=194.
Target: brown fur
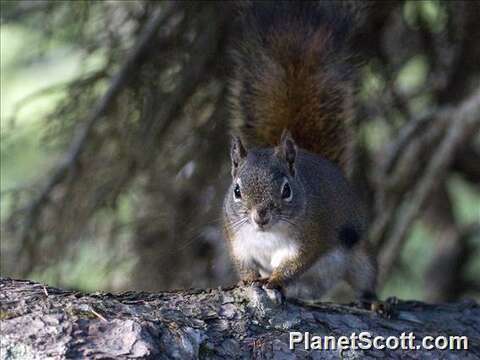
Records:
x=292, y=84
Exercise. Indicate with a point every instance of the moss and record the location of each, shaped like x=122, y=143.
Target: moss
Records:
x=81, y=314
x=206, y=351
x=5, y=315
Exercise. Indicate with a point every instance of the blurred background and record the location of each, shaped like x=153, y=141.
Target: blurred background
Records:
x=114, y=143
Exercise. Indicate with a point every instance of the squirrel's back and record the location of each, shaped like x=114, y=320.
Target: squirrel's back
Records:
x=293, y=72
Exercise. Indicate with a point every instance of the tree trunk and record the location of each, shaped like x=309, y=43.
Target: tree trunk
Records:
x=42, y=322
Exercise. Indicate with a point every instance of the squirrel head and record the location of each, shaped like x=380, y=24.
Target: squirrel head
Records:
x=265, y=190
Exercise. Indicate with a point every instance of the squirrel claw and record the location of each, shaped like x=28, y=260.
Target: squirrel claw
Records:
x=251, y=280
x=260, y=282
x=275, y=295
x=245, y=282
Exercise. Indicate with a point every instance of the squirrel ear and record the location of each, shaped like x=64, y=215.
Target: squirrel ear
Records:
x=287, y=150
x=237, y=154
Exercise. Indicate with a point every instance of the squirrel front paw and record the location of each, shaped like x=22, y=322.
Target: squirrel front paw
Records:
x=272, y=288
x=259, y=282
x=275, y=295
x=248, y=279
x=268, y=283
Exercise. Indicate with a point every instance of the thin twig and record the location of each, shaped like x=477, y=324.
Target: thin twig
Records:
x=98, y=315
x=407, y=132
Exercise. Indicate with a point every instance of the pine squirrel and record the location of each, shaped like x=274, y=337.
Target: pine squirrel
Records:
x=291, y=218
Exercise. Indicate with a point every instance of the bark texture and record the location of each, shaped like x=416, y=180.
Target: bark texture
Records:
x=40, y=322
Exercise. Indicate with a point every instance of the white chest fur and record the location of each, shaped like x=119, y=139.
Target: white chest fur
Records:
x=265, y=248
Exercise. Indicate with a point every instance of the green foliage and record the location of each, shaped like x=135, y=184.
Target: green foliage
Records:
x=412, y=75
x=407, y=280
x=26, y=159
x=89, y=265
x=430, y=12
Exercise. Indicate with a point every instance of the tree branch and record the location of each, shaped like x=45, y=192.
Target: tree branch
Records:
x=39, y=322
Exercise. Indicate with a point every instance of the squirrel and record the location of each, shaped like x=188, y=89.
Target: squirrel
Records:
x=291, y=218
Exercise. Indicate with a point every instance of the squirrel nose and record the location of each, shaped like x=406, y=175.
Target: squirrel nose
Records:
x=260, y=216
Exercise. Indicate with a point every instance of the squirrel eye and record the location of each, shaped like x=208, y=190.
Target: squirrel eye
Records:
x=286, y=192
x=237, y=194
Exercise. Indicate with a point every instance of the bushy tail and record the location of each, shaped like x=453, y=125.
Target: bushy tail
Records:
x=293, y=72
